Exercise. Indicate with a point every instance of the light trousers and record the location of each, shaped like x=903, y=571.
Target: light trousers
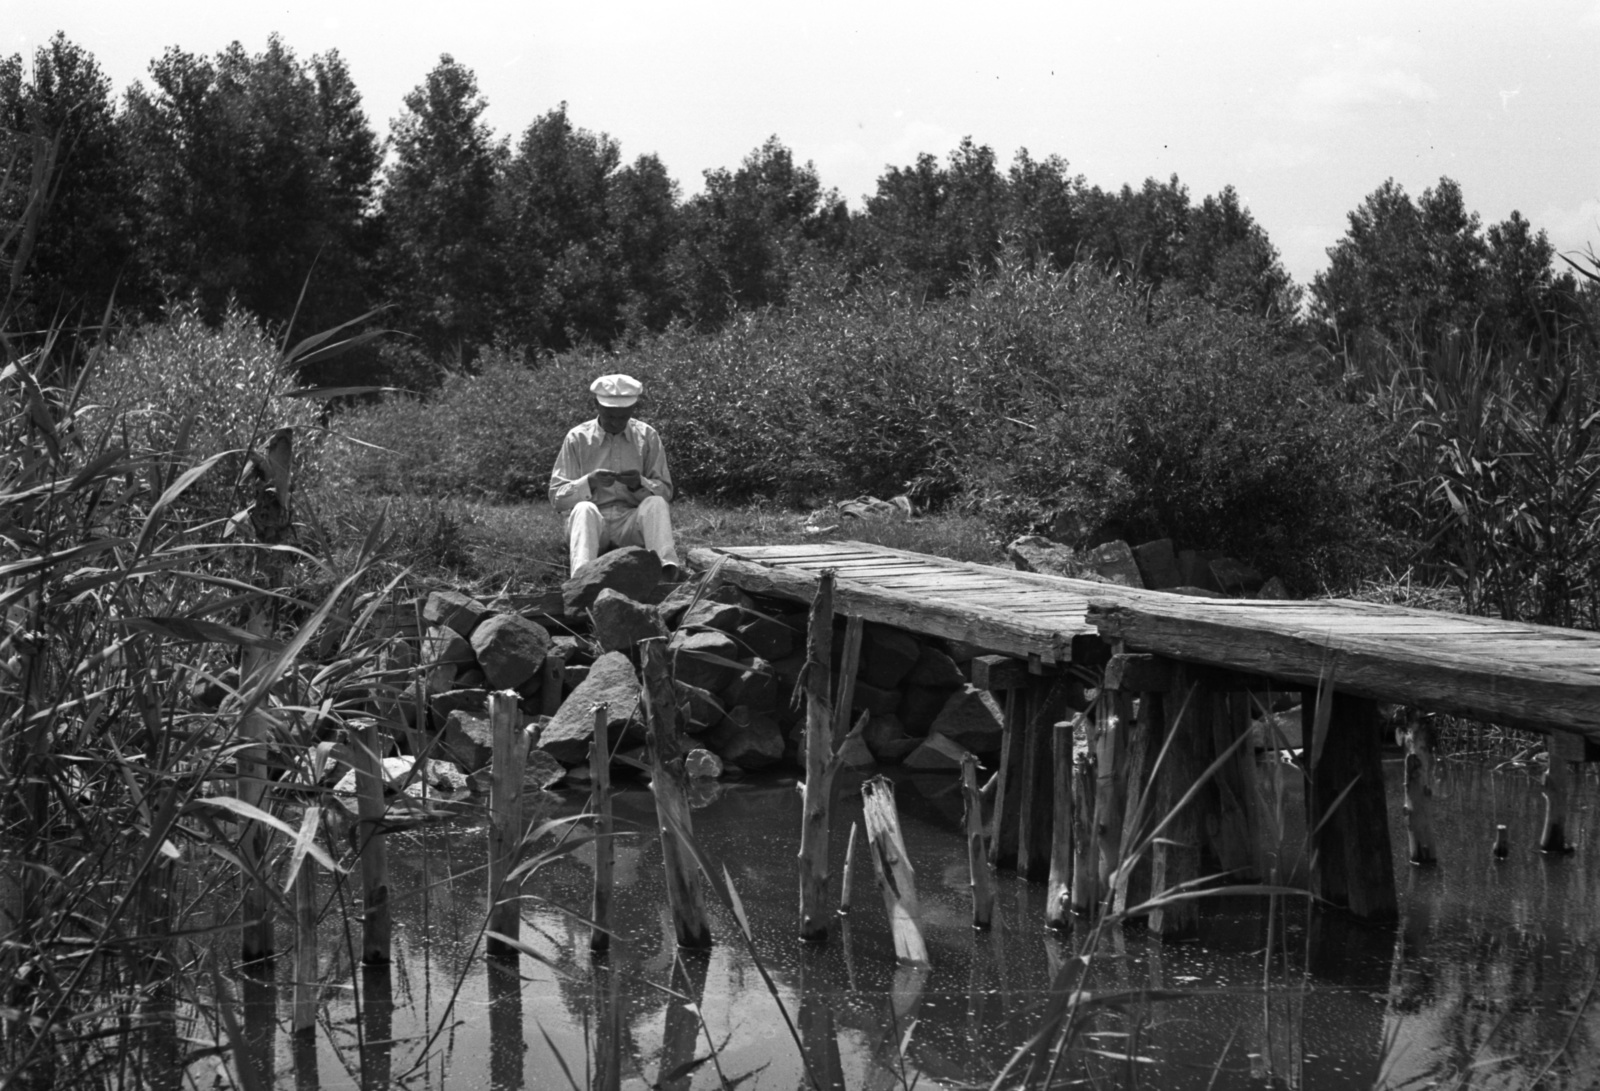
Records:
x=589, y=530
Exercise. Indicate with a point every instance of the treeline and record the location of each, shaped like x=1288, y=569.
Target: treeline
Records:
x=260, y=177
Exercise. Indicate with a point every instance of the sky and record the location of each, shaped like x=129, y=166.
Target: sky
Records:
x=1304, y=108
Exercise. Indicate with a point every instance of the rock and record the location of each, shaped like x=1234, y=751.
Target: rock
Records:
x=441, y=705
x=935, y=670
x=882, y=732
x=698, y=709
x=611, y=681
x=573, y=674
x=399, y=704
x=542, y=769
x=937, y=752
x=756, y=688
x=766, y=637
x=571, y=650
x=725, y=617
x=1158, y=564
x=921, y=705
x=444, y=645
x=455, y=611
x=701, y=763
x=869, y=698
x=1195, y=567
x=894, y=753
x=442, y=677
x=511, y=649
x=1115, y=562
x=1034, y=553
x=707, y=659
x=702, y=792
x=1236, y=577
x=972, y=718
x=749, y=740
x=1193, y=592
x=471, y=678
x=1273, y=589
x=963, y=653
x=887, y=655
x=468, y=740
x=633, y=570
x=437, y=776
x=854, y=753
x=620, y=622
x=788, y=668
x=671, y=609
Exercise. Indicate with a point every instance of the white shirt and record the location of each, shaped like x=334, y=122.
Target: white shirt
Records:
x=589, y=447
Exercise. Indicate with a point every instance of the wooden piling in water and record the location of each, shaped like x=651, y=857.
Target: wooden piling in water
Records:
x=366, y=756
x=1175, y=856
x=1045, y=704
x=1058, y=896
x=510, y=743
x=1085, y=845
x=897, y=879
x=605, y=849
x=816, y=793
x=669, y=786
x=306, y=983
x=1556, y=785
x=1007, y=677
x=1111, y=752
x=1132, y=883
x=1419, y=813
x=1237, y=841
x=1351, y=865
x=977, y=858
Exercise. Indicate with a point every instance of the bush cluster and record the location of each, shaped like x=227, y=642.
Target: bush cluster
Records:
x=1038, y=398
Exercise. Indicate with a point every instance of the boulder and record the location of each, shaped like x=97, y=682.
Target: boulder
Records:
x=707, y=659
x=894, y=753
x=756, y=688
x=699, y=763
x=1194, y=565
x=468, y=740
x=1273, y=589
x=725, y=617
x=698, y=709
x=869, y=698
x=882, y=732
x=573, y=674
x=887, y=656
x=1235, y=577
x=766, y=637
x=455, y=611
x=542, y=769
x=1114, y=561
x=612, y=682
x=935, y=669
x=620, y=622
x=788, y=668
x=436, y=776
x=445, y=645
x=1158, y=564
x=1035, y=553
x=571, y=649
x=511, y=649
x=854, y=753
x=678, y=600
x=398, y=704
x=471, y=677
x=441, y=705
x=442, y=677
x=920, y=706
x=633, y=570
x=749, y=740
x=937, y=752
x=972, y=718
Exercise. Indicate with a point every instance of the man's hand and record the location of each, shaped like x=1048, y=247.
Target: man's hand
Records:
x=630, y=478
x=599, y=479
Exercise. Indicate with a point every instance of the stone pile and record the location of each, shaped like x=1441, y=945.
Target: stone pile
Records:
x=1156, y=566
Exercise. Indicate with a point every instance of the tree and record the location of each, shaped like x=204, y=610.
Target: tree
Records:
x=1045, y=208
x=440, y=255
x=1227, y=259
x=643, y=208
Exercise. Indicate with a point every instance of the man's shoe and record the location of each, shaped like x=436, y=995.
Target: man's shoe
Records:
x=669, y=573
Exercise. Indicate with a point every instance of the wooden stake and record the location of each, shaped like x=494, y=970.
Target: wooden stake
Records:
x=1557, y=790
x=669, y=786
x=897, y=881
x=1046, y=702
x=507, y=1047
x=977, y=860
x=1111, y=751
x=1237, y=846
x=366, y=759
x=608, y=1040
x=1351, y=864
x=1132, y=886
x=999, y=848
x=1419, y=813
x=1085, y=845
x=817, y=791
x=306, y=982
x=1058, y=899
x=510, y=743
x=1175, y=860
x=605, y=849
x=847, y=884
x=849, y=665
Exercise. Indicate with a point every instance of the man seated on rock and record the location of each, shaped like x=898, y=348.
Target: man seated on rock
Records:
x=611, y=479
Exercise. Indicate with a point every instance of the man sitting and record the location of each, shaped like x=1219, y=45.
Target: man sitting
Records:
x=611, y=479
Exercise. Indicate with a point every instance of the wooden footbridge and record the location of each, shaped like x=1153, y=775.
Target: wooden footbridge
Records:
x=1191, y=669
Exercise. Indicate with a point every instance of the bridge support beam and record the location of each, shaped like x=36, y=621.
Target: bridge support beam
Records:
x=1351, y=864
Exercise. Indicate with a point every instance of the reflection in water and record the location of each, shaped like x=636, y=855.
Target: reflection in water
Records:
x=1486, y=978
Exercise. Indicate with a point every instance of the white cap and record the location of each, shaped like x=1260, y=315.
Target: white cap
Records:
x=616, y=391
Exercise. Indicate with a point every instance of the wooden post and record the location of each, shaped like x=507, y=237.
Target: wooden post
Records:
x=1046, y=703
x=505, y=820
x=552, y=682
x=977, y=860
x=1175, y=859
x=1002, y=674
x=669, y=786
x=366, y=759
x=506, y=1044
x=306, y=982
x=1085, y=845
x=605, y=849
x=897, y=880
x=1058, y=898
x=817, y=791
x=847, y=884
x=1132, y=885
x=1237, y=841
x=1351, y=866
x=1557, y=790
x=377, y=1018
x=849, y=665
x=608, y=1031
x=1111, y=751
x=1419, y=813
